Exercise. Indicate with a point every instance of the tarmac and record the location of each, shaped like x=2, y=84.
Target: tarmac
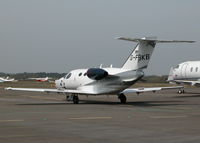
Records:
x=165, y=116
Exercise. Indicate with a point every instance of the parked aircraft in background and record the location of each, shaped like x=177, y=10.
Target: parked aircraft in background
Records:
x=40, y=79
x=101, y=81
x=185, y=73
x=7, y=79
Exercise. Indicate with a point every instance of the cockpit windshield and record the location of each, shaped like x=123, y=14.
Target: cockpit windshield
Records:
x=68, y=76
x=176, y=67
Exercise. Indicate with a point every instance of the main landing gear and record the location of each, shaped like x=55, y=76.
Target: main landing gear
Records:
x=73, y=97
x=122, y=98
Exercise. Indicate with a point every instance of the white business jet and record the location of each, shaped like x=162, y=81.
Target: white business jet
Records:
x=185, y=73
x=101, y=81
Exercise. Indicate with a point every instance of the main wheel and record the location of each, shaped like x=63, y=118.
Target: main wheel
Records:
x=75, y=99
x=122, y=98
x=67, y=98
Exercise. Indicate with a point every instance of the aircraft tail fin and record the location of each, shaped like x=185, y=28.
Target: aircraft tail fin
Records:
x=140, y=56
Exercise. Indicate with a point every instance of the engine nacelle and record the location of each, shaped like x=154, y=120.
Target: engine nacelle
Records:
x=96, y=73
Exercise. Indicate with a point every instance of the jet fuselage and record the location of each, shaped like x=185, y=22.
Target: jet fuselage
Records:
x=117, y=80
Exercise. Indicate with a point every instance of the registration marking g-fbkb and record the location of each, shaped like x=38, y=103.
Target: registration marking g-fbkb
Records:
x=140, y=57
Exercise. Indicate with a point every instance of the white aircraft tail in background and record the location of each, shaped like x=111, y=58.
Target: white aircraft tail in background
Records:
x=101, y=81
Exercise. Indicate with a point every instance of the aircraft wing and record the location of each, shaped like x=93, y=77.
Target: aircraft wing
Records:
x=126, y=91
x=49, y=90
x=192, y=82
x=154, y=89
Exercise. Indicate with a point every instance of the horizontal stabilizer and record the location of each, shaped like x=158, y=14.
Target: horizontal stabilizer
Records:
x=154, y=39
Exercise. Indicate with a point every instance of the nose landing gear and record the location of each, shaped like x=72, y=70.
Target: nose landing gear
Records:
x=181, y=91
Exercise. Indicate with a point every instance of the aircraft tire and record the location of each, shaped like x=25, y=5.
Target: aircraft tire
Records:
x=181, y=91
x=122, y=98
x=67, y=97
x=75, y=99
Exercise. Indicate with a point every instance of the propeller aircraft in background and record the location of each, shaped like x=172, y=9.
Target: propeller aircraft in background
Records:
x=7, y=79
x=40, y=79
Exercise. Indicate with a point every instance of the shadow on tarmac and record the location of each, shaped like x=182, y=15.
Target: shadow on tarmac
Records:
x=137, y=103
x=188, y=96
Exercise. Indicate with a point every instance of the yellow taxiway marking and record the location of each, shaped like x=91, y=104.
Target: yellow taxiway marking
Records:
x=89, y=118
x=167, y=117
x=11, y=120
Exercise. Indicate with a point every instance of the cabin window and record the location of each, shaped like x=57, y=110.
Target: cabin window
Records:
x=85, y=74
x=80, y=74
x=196, y=69
x=68, y=76
x=191, y=69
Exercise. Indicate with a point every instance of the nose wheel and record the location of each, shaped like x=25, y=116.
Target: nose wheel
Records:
x=181, y=91
x=122, y=98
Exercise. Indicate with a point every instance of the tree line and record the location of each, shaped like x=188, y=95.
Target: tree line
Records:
x=25, y=76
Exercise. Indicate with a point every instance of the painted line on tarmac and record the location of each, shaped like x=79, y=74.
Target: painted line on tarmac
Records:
x=176, y=108
x=194, y=114
x=89, y=118
x=167, y=117
x=16, y=136
x=11, y=121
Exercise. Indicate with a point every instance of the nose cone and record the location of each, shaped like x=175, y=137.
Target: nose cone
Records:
x=57, y=83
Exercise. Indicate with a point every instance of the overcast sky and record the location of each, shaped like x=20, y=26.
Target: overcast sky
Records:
x=61, y=35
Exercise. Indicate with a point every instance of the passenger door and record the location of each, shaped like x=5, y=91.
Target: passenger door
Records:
x=184, y=70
